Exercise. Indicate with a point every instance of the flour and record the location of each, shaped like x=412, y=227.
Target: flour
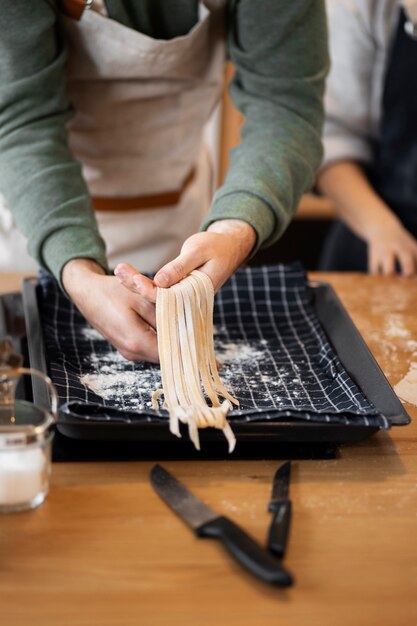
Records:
x=232, y=352
x=395, y=327
x=119, y=382
x=112, y=357
x=411, y=345
x=107, y=384
x=91, y=334
x=127, y=385
x=406, y=389
x=392, y=341
x=246, y=370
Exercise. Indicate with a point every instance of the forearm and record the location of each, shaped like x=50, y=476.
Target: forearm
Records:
x=355, y=201
x=390, y=246
x=278, y=87
x=76, y=272
x=39, y=177
x=43, y=186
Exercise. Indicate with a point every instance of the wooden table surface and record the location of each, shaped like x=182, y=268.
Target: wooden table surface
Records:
x=104, y=550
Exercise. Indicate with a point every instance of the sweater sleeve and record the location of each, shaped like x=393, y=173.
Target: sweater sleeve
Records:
x=279, y=50
x=348, y=97
x=39, y=177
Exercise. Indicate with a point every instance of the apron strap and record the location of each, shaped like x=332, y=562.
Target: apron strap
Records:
x=393, y=171
x=152, y=201
x=75, y=8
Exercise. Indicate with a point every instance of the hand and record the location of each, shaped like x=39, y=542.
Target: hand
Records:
x=217, y=252
x=391, y=246
x=125, y=318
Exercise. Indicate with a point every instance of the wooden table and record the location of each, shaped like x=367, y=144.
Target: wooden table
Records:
x=104, y=550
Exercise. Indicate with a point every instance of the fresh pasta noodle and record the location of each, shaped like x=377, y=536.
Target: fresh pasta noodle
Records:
x=184, y=317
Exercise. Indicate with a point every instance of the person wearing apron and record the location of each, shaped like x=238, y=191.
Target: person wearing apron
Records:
x=143, y=79
x=373, y=187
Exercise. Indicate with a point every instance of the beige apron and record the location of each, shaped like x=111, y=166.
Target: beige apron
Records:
x=141, y=105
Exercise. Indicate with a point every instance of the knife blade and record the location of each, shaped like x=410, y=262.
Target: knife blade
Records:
x=280, y=507
x=207, y=523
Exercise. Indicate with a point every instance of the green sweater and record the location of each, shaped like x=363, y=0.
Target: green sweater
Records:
x=279, y=49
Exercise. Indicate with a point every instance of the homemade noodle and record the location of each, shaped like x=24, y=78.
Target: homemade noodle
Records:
x=184, y=317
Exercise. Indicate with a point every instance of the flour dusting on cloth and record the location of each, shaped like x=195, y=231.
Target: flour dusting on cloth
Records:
x=269, y=343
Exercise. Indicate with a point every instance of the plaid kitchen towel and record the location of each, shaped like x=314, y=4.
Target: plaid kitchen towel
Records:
x=274, y=354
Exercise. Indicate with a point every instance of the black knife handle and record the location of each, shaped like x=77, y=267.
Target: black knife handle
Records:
x=279, y=528
x=246, y=551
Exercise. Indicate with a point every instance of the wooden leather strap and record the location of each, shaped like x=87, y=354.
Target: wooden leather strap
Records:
x=75, y=8
x=152, y=201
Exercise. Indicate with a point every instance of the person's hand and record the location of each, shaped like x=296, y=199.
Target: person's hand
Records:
x=218, y=252
x=391, y=246
x=125, y=318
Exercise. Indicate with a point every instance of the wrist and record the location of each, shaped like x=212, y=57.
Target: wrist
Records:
x=240, y=233
x=78, y=270
x=384, y=224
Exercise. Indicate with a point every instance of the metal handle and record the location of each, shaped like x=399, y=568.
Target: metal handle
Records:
x=14, y=373
x=53, y=409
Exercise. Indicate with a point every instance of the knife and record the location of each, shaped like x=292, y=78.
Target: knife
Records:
x=206, y=523
x=280, y=507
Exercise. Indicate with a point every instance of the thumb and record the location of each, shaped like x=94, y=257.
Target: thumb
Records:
x=180, y=267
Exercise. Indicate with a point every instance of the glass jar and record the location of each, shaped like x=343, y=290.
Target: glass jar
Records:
x=26, y=433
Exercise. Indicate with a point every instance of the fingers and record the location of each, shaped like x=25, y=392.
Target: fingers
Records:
x=211, y=253
x=128, y=323
x=393, y=251
x=145, y=309
x=373, y=261
x=384, y=265
x=135, y=281
x=408, y=258
x=408, y=264
x=388, y=264
x=217, y=254
x=191, y=257
x=144, y=290
x=139, y=345
x=124, y=318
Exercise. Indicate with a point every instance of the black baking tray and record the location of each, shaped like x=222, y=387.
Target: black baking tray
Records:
x=260, y=438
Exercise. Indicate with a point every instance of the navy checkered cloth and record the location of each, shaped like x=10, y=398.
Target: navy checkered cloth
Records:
x=275, y=357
